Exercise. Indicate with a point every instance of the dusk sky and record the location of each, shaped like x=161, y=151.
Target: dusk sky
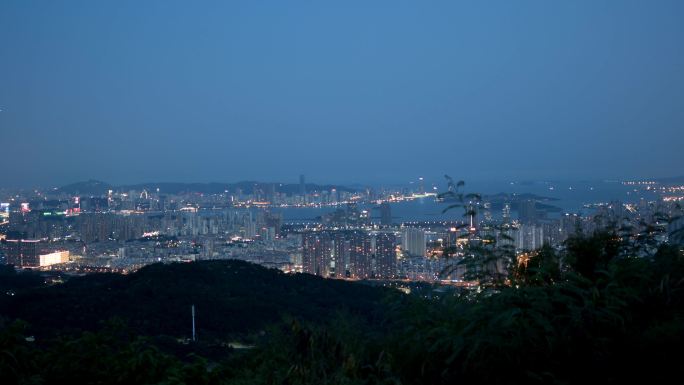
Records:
x=135, y=91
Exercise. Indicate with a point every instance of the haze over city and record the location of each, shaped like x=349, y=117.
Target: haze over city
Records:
x=131, y=91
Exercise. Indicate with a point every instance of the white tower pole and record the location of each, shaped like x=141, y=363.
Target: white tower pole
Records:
x=193, y=323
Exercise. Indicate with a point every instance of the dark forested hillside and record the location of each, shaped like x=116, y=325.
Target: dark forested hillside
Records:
x=591, y=313
x=230, y=297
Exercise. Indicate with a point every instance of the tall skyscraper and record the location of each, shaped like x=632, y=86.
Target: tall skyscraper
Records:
x=316, y=253
x=487, y=211
x=529, y=237
x=527, y=211
x=302, y=185
x=413, y=242
x=340, y=255
x=385, y=255
x=385, y=214
x=360, y=253
x=506, y=212
x=270, y=192
x=22, y=252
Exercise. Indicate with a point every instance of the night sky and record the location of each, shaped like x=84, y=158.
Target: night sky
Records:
x=344, y=91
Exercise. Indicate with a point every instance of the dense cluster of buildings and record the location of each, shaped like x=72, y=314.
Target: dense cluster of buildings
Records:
x=28, y=253
x=414, y=250
x=357, y=254
x=357, y=239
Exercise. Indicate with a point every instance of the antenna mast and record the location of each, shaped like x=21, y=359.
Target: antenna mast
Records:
x=193, y=323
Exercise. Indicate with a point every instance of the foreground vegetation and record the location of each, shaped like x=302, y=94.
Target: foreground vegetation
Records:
x=594, y=312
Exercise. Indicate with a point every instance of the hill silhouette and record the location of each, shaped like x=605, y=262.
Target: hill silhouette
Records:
x=231, y=297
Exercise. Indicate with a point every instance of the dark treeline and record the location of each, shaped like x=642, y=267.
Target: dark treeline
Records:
x=594, y=312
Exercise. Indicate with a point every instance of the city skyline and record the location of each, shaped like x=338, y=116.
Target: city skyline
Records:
x=431, y=181
x=331, y=231
x=129, y=92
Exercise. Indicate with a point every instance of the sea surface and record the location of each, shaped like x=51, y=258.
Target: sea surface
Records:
x=570, y=197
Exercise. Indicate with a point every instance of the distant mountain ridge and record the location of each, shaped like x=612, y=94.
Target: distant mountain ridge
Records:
x=95, y=187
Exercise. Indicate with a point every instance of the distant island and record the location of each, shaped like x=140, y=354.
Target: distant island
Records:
x=542, y=203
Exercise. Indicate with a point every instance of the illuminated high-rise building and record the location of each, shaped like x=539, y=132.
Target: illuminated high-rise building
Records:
x=385, y=255
x=22, y=252
x=529, y=237
x=413, y=242
x=340, y=255
x=360, y=253
x=487, y=211
x=506, y=212
x=317, y=253
x=527, y=211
